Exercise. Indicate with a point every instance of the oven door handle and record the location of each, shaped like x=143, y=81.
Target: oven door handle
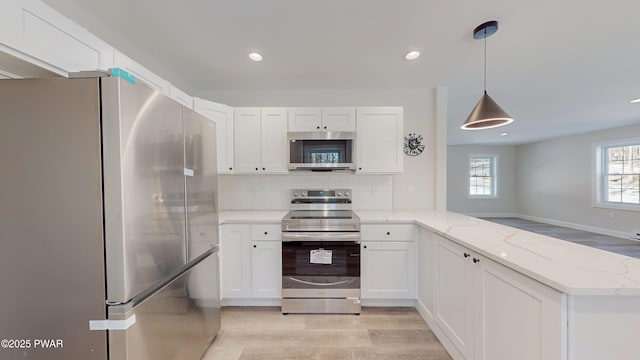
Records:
x=319, y=284
x=320, y=236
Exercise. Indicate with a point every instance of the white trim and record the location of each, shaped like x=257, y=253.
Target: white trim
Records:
x=598, y=170
x=495, y=215
x=112, y=324
x=495, y=158
x=389, y=302
x=32, y=60
x=251, y=302
x=593, y=229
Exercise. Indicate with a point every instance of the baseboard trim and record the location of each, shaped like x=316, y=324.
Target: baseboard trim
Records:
x=251, y=302
x=593, y=229
x=389, y=302
x=497, y=215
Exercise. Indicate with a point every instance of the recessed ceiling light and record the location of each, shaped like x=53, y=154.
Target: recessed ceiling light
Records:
x=255, y=56
x=412, y=55
x=635, y=101
x=504, y=134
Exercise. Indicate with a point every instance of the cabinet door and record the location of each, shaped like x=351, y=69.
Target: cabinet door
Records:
x=222, y=115
x=305, y=119
x=426, y=272
x=516, y=317
x=379, y=139
x=339, y=119
x=274, y=140
x=266, y=269
x=247, y=140
x=454, y=291
x=235, y=261
x=34, y=32
x=388, y=270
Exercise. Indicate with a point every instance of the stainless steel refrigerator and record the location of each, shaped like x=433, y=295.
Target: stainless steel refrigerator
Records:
x=108, y=222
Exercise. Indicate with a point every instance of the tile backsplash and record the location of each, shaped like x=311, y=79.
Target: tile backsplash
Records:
x=271, y=192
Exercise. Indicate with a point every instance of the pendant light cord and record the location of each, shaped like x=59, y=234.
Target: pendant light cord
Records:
x=485, y=60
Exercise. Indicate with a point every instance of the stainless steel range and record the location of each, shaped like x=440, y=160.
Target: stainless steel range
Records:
x=321, y=253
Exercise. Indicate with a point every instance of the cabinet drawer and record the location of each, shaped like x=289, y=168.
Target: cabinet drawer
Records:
x=266, y=232
x=385, y=232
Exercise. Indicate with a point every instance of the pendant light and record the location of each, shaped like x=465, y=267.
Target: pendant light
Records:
x=487, y=114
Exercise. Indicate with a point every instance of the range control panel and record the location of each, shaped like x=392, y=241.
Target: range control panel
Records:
x=323, y=194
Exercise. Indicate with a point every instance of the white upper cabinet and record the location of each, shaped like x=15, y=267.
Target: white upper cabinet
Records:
x=32, y=31
x=322, y=119
x=274, y=140
x=260, y=140
x=222, y=115
x=247, y=138
x=339, y=119
x=305, y=119
x=379, y=139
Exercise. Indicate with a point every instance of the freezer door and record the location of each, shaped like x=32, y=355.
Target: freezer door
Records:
x=178, y=322
x=144, y=187
x=52, y=252
x=201, y=183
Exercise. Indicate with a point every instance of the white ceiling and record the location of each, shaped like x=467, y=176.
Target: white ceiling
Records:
x=559, y=67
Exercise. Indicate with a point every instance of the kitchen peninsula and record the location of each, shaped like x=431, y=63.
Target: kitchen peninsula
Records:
x=489, y=290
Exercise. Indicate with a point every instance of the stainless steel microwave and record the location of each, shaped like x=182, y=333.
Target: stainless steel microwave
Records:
x=322, y=151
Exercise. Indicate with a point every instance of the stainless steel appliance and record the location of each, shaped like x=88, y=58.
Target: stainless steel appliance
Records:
x=321, y=151
x=321, y=253
x=108, y=222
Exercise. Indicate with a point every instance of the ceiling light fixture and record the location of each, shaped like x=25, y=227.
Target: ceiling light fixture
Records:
x=635, y=101
x=412, y=55
x=255, y=56
x=487, y=114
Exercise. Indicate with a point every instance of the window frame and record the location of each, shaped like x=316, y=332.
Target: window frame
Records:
x=600, y=172
x=494, y=176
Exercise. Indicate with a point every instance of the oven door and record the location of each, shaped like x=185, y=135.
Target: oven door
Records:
x=320, y=265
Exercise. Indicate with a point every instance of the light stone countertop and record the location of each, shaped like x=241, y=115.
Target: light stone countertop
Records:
x=251, y=216
x=567, y=267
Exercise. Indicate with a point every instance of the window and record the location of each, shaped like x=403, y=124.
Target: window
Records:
x=482, y=176
x=619, y=174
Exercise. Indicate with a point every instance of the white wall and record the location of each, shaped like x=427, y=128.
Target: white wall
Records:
x=458, y=175
x=413, y=189
x=554, y=181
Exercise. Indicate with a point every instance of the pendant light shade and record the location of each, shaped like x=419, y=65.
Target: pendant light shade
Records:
x=487, y=114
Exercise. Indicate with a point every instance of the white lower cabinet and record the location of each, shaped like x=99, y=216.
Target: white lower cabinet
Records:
x=490, y=312
x=235, y=261
x=250, y=261
x=266, y=269
x=388, y=262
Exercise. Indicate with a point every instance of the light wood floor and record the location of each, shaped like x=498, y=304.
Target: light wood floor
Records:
x=609, y=243
x=263, y=333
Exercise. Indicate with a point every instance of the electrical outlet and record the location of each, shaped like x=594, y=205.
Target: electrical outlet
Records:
x=410, y=190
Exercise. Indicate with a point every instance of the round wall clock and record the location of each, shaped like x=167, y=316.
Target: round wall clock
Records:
x=413, y=144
